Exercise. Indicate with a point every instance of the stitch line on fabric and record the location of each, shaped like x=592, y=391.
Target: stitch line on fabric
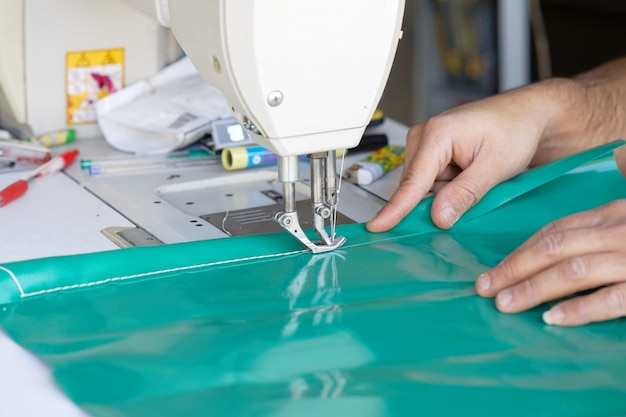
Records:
x=14, y=278
x=148, y=274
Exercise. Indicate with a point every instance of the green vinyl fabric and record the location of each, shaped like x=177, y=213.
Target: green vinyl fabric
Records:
x=388, y=325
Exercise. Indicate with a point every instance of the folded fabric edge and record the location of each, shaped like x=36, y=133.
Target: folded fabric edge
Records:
x=47, y=275
x=536, y=177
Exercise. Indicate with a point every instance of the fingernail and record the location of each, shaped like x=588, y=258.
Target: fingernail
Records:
x=553, y=316
x=450, y=214
x=483, y=282
x=504, y=298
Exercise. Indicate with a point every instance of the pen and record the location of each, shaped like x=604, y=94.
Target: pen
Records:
x=20, y=186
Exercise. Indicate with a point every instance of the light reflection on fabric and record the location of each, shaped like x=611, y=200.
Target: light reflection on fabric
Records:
x=389, y=325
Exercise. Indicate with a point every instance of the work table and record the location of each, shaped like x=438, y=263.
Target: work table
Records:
x=64, y=214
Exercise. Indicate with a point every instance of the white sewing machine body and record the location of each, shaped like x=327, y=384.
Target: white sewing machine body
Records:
x=304, y=77
x=301, y=77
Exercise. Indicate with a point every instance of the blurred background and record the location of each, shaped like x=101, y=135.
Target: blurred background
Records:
x=452, y=52
x=455, y=51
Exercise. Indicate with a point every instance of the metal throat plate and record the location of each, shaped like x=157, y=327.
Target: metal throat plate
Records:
x=259, y=220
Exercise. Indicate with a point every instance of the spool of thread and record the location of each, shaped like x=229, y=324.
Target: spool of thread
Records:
x=241, y=157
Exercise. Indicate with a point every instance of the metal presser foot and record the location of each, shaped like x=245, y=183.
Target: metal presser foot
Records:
x=323, y=200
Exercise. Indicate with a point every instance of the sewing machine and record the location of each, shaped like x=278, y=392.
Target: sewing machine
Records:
x=301, y=77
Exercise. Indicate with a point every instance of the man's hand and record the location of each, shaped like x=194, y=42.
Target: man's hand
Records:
x=580, y=252
x=464, y=152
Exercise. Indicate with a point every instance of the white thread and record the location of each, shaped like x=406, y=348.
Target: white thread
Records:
x=147, y=274
x=12, y=275
x=224, y=224
x=334, y=214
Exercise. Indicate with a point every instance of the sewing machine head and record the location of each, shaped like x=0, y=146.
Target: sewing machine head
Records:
x=302, y=77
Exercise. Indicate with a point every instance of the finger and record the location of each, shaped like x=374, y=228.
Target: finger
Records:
x=565, y=278
x=620, y=159
x=469, y=186
x=606, y=215
x=607, y=303
x=551, y=249
x=444, y=178
x=419, y=175
x=438, y=185
x=410, y=191
x=413, y=140
x=449, y=173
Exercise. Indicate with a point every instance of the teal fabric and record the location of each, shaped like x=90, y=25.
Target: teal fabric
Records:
x=388, y=325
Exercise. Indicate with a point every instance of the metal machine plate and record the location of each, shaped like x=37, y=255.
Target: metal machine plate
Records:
x=259, y=220
x=127, y=237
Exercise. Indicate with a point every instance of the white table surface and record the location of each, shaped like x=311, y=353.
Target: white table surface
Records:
x=55, y=217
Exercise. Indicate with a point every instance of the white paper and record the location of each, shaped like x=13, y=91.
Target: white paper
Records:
x=172, y=109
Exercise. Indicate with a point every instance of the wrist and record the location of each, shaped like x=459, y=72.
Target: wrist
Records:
x=585, y=111
x=573, y=113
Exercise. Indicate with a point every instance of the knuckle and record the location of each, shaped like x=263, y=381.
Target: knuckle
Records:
x=550, y=243
x=599, y=217
x=438, y=130
x=575, y=268
x=531, y=289
x=472, y=189
x=435, y=124
x=549, y=229
x=615, y=300
x=506, y=270
x=467, y=188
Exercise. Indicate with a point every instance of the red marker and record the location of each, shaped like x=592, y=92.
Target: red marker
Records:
x=20, y=186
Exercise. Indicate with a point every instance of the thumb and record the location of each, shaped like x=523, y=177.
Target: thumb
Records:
x=463, y=192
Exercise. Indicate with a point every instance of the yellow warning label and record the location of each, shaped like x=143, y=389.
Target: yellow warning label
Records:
x=91, y=75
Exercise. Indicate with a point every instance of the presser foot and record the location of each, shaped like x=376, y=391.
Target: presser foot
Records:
x=290, y=222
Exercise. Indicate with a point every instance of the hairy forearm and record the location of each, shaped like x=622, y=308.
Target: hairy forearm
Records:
x=582, y=112
x=606, y=87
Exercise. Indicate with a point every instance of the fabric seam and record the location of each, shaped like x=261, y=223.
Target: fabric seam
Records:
x=14, y=278
x=142, y=275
